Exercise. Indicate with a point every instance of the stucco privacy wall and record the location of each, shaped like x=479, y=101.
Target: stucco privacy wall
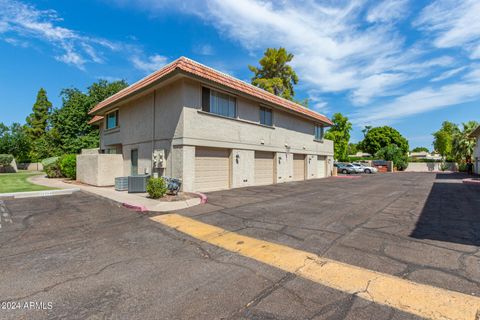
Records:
x=99, y=169
x=476, y=156
x=429, y=166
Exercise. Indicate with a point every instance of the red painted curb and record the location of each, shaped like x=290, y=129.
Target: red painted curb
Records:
x=203, y=197
x=135, y=207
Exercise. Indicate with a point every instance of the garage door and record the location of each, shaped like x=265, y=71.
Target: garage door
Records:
x=263, y=168
x=298, y=167
x=321, y=169
x=212, y=169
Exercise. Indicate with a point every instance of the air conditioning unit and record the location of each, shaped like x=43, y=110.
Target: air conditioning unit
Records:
x=138, y=184
x=121, y=183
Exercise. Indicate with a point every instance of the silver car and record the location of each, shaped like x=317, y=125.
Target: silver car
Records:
x=360, y=168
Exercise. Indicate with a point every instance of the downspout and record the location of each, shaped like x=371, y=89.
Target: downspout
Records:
x=153, y=130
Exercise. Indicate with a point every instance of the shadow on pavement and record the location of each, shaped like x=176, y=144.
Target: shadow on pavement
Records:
x=451, y=213
x=452, y=175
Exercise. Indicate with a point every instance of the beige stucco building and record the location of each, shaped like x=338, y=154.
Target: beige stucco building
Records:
x=476, y=152
x=212, y=131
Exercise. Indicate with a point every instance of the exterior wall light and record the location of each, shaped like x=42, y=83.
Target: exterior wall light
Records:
x=237, y=158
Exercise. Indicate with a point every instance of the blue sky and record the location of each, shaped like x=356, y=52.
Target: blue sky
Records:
x=409, y=64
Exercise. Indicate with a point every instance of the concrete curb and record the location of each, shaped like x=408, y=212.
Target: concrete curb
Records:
x=34, y=194
x=474, y=181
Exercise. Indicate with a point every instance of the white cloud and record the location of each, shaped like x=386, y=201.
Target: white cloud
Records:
x=204, y=49
x=448, y=74
x=28, y=22
x=452, y=22
x=388, y=10
x=150, y=64
x=423, y=100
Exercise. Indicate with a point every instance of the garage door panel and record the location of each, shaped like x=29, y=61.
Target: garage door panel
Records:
x=298, y=167
x=264, y=168
x=212, y=169
x=321, y=166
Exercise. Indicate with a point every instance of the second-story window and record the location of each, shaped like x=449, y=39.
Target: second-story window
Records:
x=266, y=116
x=319, y=132
x=112, y=120
x=219, y=103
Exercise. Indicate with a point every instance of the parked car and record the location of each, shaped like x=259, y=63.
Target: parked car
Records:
x=361, y=168
x=345, y=168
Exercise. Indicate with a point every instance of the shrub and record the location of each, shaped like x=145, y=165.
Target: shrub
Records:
x=5, y=160
x=156, y=188
x=462, y=167
x=68, y=165
x=48, y=161
x=53, y=170
x=394, y=154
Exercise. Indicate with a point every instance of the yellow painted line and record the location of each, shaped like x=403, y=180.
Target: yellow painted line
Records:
x=415, y=298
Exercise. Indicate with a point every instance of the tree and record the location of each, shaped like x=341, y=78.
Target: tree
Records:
x=420, y=149
x=15, y=141
x=380, y=137
x=365, y=130
x=70, y=128
x=274, y=74
x=352, y=149
x=395, y=154
x=462, y=144
x=443, y=139
x=37, y=121
x=340, y=134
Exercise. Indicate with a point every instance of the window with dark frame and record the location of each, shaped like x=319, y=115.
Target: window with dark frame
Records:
x=219, y=103
x=112, y=120
x=266, y=116
x=319, y=130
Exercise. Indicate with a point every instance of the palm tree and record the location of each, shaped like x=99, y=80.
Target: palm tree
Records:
x=462, y=144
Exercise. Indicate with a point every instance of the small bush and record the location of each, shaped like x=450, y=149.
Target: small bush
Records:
x=53, y=170
x=156, y=188
x=462, y=167
x=5, y=160
x=68, y=165
x=48, y=161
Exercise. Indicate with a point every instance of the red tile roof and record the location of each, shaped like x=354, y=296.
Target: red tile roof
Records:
x=196, y=69
x=95, y=119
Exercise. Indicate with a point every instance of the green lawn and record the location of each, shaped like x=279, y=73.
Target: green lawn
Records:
x=17, y=182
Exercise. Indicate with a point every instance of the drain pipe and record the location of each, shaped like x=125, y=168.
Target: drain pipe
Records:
x=154, y=170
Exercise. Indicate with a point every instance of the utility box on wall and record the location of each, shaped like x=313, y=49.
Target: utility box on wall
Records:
x=158, y=159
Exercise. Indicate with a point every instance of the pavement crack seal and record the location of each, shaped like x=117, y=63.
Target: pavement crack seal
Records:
x=405, y=295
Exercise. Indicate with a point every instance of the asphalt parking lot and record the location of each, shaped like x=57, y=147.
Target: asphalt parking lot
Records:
x=84, y=257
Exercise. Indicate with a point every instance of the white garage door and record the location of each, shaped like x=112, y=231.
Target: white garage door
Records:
x=263, y=168
x=321, y=169
x=212, y=169
x=298, y=167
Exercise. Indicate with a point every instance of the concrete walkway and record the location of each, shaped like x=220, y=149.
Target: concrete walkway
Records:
x=138, y=202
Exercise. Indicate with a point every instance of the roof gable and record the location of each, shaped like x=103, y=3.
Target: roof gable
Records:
x=196, y=69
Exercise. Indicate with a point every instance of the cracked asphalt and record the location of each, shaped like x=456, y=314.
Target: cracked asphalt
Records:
x=93, y=259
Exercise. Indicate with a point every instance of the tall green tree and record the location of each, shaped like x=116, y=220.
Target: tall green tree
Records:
x=340, y=134
x=37, y=121
x=275, y=75
x=462, y=144
x=14, y=140
x=70, y=128
x=443, y=139
x=380, y=137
